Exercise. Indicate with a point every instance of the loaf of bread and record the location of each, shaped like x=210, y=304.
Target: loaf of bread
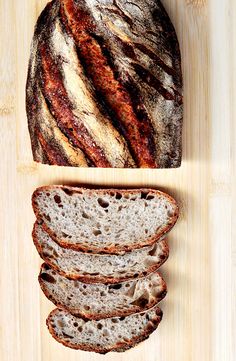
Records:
x=98, y=268
x=104, y=85
x=104, y=220
x=98, y=301
x=110, y=334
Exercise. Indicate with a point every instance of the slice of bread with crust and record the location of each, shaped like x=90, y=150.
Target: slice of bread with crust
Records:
x=98, y=301
x=104, y=220
x=102, y=336
x=97, y=268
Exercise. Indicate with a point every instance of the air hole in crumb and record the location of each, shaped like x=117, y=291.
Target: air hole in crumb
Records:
x=103, y=203
x=48, y=278
x=99, y=326
x=64, y=234
x=85, y=215
x=80, y=329
x=146, y=231
x=127, y=285
x=68, y=191
x=122, y=318
x=102, y=294
x=144, y=195
x=75, y=324
x=96, y=232
x=153, y=251
x=115, y=287
x=118, y=195
x=149, y=197
x=48, y=218
x=87, y=308
x=57, y=199
x=114, y=320
x=120, y=208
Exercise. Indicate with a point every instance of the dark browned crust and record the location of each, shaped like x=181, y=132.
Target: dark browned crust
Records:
x=119, y=347
x=93, y=316
x=97, y=279
x=54, y=91
x=138, y=133
x=110, y=249
x=117, y=94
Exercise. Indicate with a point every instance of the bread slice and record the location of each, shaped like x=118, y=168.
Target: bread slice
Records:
x=94, y=268
x=104, y=220
x=97, y=301
x=110, y=334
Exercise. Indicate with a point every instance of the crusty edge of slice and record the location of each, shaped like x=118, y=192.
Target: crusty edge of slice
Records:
x=94, y=316
x=111, y=249
x=97, y=279
x=120, y=346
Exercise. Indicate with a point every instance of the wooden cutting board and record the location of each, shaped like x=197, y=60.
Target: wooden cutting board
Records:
x=199, y=310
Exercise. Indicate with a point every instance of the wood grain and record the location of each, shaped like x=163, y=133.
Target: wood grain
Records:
x=199, y=311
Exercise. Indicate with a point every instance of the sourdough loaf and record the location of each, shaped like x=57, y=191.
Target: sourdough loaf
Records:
x=104, y=85
x=110, y=334
x=94, y=268
x=104, y=220
x=98, y=301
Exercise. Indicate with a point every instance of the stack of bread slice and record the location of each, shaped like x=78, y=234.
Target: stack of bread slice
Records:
x=102, y=249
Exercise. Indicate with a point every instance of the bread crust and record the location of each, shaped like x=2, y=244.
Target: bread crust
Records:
x=135, y=71
x=110, y=249
x=97, y=279
x=119, y=347
x=94, y=316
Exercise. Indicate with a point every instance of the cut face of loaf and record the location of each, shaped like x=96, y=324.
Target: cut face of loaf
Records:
x=94, y=268
x=104, y=221
x=97, y=301
x=110, y=334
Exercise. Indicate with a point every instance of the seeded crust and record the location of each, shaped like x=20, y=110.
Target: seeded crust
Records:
x=111, y=249
x=153, y=318
x=112, y=300
x=87, y=275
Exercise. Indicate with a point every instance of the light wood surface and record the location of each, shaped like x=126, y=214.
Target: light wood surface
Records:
x=199, y=310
